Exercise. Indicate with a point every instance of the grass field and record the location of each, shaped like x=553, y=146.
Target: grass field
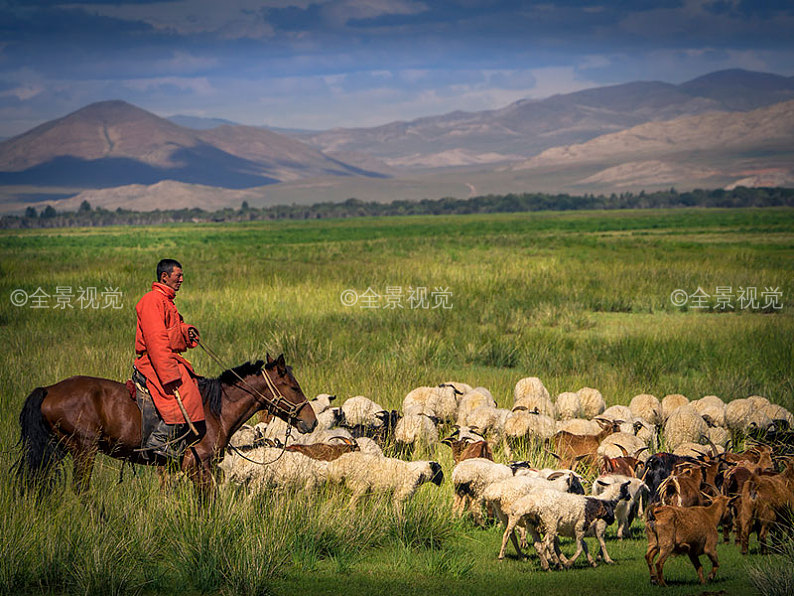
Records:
x=577, y=299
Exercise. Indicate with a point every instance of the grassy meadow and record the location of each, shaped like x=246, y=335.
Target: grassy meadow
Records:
x=577, y=299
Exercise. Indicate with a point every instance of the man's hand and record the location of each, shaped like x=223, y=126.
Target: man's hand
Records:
x=172, y=386
x=193, y=334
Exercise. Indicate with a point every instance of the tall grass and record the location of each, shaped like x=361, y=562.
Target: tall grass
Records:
x=575, y=299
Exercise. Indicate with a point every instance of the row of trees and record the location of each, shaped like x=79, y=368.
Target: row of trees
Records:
x=509, y=203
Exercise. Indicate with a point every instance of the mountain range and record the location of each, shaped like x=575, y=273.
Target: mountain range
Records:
x=726, y=128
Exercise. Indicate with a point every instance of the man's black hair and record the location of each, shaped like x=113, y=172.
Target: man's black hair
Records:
x=166, y=266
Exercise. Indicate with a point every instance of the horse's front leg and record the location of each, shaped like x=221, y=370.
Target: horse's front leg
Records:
x=197, y=465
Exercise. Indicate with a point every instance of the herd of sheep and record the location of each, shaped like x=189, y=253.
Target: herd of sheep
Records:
x=576, y=429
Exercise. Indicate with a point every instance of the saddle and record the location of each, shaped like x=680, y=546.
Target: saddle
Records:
x=149, y=415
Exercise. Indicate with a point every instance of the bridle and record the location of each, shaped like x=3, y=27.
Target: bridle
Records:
x=277, y=405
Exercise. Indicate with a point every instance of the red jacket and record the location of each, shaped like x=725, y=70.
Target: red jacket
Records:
x=160, y=338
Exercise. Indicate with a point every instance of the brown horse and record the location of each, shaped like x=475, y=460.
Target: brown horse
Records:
x=82, y=416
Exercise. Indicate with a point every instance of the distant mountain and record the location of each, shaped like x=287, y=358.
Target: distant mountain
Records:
x=752, y=147
x=113, y=143
x=199, y=122
x=528, y=127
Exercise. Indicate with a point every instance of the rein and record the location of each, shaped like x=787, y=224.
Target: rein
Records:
x=272, y=405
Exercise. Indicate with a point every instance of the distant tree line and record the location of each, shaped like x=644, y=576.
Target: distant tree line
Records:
x=509, y=203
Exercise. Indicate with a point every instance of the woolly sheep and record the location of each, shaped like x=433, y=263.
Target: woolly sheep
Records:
x=645, y=432
x=647, y=407
x=530, y=393
x=416, y=402
x=568, y=406
x=361, y=473
x=712, y=409
x=327, y=435
x=470, y=478
x=592, y=402
x=476, y=398
x=625, y=511
x=416, y=430
x=779, y=414
x=631, y=443
x=488, y=420
x=736, y=412
x=719, y=436
x=321, y=402
x=684, y=426
x=758, y=401
x=579, y=426
x=440, y=402
x=758, y=420
x=690, y=449
x=670, y=403
x=369, y=446
x=617, y=412
x=461, y=389
x=245, y=436
x=362, y=410
x=330, y=418
x=526, y=424
x=284, y=469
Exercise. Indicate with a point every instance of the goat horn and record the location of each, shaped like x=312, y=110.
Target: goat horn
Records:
x=640, y=450
x=622, y=450
x=711, y=443
x=554, y=455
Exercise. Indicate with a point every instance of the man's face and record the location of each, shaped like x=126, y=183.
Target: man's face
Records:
x=173, y=280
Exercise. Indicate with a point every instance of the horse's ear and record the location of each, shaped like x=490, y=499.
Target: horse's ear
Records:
x=280, y=361
x=268, y=359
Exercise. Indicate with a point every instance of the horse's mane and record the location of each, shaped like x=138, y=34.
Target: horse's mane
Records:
x=210, y=389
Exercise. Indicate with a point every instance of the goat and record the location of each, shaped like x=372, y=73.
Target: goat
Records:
x=765, y=501
x=677, y=530
x=325, y=451
x=570, y=448
x=468, y=449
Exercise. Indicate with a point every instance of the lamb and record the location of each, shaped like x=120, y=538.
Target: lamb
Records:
x=678, y=530
x=361, y=473
x=362, y=410
x=625, y=510
x=284, y=469
x=592, y=402
x=568, y=405
x=684, y=425
x=415, y=431
x=647, y=407
x=563, y=514
x=670, y=403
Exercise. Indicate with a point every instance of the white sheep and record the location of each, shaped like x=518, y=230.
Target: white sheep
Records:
x=470, y=478
x=592, y=402
x=321, y=402
x=488, y=420
x=369, y=446
x=625, y=510
x=362, y=410
x=719, y=436
x=670, y=403
x=361, y=473
x=579, y=426
x=416, y=431
x=684, y=425
x=736, y=414
x=647, y=407
x=529, y=393
x=779, y=415
x=281, y=469
x=440, y=402
x=617, y=413
x=564, y=514
x=330, y=418
x=610, y=446
x=758, y=401
x=568, y=405
x=245, y=436
x=712, y=409
x=522, y=424
x=476, y=398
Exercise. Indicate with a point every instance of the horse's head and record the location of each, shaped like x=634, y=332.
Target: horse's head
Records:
x=289, y=403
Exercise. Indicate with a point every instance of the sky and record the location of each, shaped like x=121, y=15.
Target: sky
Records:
x=319, y=64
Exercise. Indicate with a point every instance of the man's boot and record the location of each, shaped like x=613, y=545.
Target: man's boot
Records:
x=162, y=440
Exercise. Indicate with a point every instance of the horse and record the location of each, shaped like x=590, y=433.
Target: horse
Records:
x=82, y=416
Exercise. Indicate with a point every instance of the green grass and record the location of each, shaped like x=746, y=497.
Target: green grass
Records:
x=573, y=298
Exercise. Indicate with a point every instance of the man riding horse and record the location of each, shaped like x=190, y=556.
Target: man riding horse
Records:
x=167, y=391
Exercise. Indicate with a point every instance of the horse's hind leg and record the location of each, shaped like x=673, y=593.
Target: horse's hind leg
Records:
x=83, y=468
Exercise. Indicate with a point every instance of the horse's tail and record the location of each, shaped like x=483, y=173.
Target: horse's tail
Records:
x=38, y=464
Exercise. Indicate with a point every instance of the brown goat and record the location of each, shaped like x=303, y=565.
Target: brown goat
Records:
x=679, y=530
x=325, y=451
x=682, y=491
x=765, y=501
x=468, y=449
x=570, y=448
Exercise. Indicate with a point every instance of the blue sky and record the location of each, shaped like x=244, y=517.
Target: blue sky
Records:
x=320, y=64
